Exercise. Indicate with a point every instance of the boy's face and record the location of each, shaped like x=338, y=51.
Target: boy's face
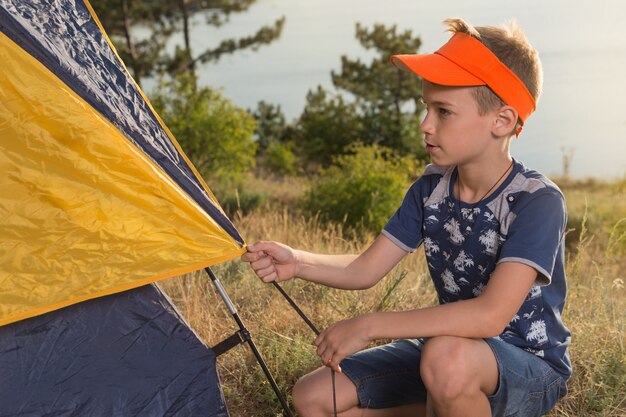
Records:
x=454, y=131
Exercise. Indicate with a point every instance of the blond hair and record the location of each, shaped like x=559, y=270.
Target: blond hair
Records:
x=510, y=45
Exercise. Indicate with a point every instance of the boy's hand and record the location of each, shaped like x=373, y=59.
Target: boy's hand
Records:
x=271, y=261
x=341, y=340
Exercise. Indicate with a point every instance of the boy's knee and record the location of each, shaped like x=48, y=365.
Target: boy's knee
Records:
x=313, y=394
x=302, y=395
x=307, y=398
x=445, y=367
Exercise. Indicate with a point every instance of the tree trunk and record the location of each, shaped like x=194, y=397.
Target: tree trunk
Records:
x=189, y=64
x=129, y=42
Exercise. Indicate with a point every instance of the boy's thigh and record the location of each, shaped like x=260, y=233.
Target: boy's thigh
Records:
x=527, y=385
x=387, y=376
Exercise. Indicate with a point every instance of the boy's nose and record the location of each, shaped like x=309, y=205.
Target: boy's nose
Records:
x=427, y=127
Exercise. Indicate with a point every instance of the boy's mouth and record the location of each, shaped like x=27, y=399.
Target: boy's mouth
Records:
x=430, y=147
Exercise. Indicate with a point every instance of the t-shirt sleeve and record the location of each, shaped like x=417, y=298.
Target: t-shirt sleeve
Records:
x=535, y=235
x=404, y=228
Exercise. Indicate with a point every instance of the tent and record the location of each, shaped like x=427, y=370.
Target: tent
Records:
x=97, y=203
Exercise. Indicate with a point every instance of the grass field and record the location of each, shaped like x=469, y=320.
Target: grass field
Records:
x=595, y=309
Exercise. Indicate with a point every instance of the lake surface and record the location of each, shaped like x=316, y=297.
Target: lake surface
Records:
x=582, y=44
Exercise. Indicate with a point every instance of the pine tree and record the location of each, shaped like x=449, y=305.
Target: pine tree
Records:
x=147, y=56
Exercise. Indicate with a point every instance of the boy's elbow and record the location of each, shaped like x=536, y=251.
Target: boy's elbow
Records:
x=494, y=317
x=493, y=324
x=492, y=331
x=364, y=285
x=486, y=329
x=496, y=326
x=365, y=280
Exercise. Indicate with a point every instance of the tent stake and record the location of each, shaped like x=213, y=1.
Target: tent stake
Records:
x=246, y=336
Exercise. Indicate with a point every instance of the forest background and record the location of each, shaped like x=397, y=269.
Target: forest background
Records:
x=327, y=181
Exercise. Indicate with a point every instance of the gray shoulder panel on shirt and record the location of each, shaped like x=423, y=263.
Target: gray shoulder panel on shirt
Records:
x=435, y=169
x=441, y=190
x=500, y=206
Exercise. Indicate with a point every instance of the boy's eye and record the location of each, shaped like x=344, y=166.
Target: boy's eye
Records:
x=443, y=112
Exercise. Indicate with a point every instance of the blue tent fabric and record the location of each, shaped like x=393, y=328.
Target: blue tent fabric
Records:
x=65, y=37
x=127, y=354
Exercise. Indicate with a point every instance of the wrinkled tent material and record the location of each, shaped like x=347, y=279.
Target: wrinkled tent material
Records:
x=127, y=354
x=97, y=202
x=97, y=197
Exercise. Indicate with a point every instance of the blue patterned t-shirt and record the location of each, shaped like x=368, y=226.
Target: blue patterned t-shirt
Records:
x=522, y=221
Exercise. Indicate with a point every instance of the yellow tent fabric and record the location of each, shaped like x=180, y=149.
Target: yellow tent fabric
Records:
x=83, y=212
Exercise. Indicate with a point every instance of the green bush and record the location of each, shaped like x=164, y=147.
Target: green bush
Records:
x=279, y=158
x=327, y=126
x=362, y=189
x=216, y=135
x=241, y=201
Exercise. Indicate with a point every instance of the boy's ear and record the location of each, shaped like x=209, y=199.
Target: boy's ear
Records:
x=505, y=121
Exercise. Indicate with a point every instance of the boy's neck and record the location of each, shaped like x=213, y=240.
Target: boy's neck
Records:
x=476, y=181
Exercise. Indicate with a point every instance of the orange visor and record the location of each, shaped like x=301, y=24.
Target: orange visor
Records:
x=465, y=61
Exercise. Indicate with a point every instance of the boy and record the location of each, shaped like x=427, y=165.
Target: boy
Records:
x=493, y=234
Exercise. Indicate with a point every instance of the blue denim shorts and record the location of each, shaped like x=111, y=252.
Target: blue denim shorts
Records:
x=388, y=376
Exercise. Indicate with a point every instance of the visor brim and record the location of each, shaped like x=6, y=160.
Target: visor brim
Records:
x=436, y=69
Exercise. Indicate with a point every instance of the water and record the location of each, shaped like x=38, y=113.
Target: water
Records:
x=582, y=44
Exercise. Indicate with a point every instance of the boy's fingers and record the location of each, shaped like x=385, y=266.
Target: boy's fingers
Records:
x=252, y=247
x=259, y=246
x=265, y=272
x=323, y=350
x=253, y=256
x=271, y=277
x=248, y=257
x=262, y=263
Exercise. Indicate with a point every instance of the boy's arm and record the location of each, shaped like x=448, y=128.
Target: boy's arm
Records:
x=480, y=317
x=273, y=261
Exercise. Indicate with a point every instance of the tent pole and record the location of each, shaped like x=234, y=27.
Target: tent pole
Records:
x=247, y=338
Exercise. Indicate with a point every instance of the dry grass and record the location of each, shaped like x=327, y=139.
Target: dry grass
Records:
x=594, y=313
